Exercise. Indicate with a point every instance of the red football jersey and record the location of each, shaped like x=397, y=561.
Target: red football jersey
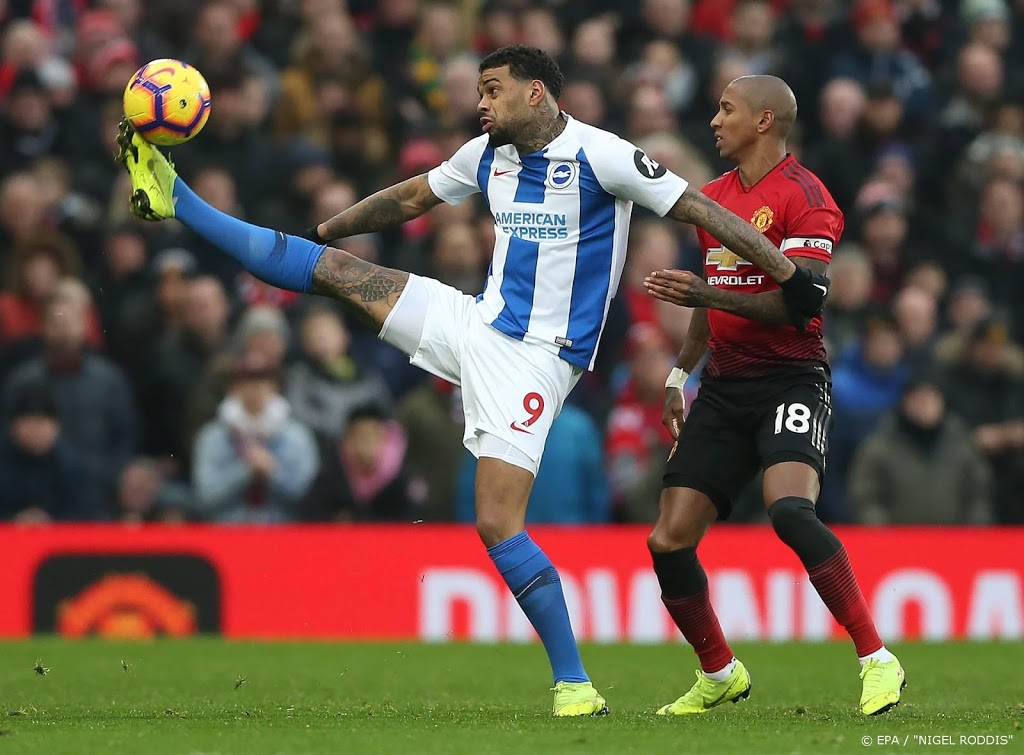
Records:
x=795, y=211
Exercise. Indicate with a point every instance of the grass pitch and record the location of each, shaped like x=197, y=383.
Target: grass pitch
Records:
x=212, y=696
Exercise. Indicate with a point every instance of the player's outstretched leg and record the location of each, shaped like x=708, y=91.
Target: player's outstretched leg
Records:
x=158, y=194
x=370, y=292
x=685, y=517
x=502, y=492
x=796, y=523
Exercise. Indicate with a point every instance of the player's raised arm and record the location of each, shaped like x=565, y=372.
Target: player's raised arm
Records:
x=451, y=181
x=387, y=208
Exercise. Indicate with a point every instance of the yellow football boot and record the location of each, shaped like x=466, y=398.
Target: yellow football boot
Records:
x=706, y=693
x=883, y=682
x=151, y=172
x=578, y=699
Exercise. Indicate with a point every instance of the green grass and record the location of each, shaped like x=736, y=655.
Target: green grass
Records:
x=184, y=697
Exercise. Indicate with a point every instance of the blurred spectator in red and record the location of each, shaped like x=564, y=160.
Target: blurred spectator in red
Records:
x=253, y=463
x=652, y=246
x=36, y=267
x=636, y=442
x=363, y=474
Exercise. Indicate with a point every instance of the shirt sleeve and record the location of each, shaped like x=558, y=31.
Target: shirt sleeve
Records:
x=456, y=178
x=814, y=232
x=627, y=172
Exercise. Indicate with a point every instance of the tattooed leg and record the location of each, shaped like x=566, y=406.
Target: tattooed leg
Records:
x=366, y=290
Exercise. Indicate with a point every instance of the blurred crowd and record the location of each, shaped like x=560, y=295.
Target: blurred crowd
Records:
x=145, y=377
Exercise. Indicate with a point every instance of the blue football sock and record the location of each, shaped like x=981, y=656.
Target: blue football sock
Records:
x=273, y=257
x=533, y=580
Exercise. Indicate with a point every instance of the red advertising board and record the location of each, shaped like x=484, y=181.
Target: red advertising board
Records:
x=436, y=583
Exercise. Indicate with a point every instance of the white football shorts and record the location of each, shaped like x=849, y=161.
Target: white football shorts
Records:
x=511, y=390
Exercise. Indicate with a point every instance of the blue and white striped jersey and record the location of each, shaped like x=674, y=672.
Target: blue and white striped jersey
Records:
x=561, y=219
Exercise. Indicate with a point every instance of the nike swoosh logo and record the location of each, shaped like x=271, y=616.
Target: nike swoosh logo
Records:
x=503, y=172
x=823, y=289
x=519, y=429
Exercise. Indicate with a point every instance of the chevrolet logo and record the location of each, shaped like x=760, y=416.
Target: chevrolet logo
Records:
x=725, y=259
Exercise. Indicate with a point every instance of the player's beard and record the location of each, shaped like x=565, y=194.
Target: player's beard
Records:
x=498, y=136
x=504, y=133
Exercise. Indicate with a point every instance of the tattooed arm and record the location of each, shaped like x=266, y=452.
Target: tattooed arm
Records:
x=732, y=231
x=688, y=290
x=366, y=290
x=388, y=207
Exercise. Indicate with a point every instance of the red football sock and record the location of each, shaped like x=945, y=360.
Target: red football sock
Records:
x=697, y=621
x=836, y=584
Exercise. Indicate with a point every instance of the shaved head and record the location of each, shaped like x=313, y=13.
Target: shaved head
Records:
x=761, y=93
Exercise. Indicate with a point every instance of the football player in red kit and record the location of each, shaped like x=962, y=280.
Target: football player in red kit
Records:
x=763, y=403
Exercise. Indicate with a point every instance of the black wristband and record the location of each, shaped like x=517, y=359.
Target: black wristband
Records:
x=311, y=234
x=805, y=293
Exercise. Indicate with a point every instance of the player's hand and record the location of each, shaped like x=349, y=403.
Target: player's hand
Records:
x=672, y=413
x=679, y=287
x=805, y=294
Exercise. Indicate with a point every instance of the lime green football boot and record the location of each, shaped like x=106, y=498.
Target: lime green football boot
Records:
x=706, y=693
x=577, y=699
x=883, y=683
x=151, y=172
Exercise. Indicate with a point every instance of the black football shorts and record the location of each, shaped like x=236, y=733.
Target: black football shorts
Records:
x=736, y=427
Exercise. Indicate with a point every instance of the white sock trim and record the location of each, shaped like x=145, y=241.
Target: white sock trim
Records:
x=723, y=673
x=882, y=655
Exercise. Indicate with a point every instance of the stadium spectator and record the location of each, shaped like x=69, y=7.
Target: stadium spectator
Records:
x=253, y=463
x=848, y=305
x=867, y=380
x=145, y=494
x=327, y=385
x=920, y=466
x=363, y=475
x=177, y=364
x=916, y=314
x=636, y=439
x=94, y=400
x=44, y=477
x=37, y=266
x=984, y=383
x=431, y=415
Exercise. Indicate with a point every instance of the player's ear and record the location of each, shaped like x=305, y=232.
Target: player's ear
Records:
x=767, y=119
x=537, y=92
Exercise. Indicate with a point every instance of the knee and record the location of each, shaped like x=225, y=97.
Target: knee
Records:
x=789, y=515
x=497, y=519
x=493, y=528
x=665, y=538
